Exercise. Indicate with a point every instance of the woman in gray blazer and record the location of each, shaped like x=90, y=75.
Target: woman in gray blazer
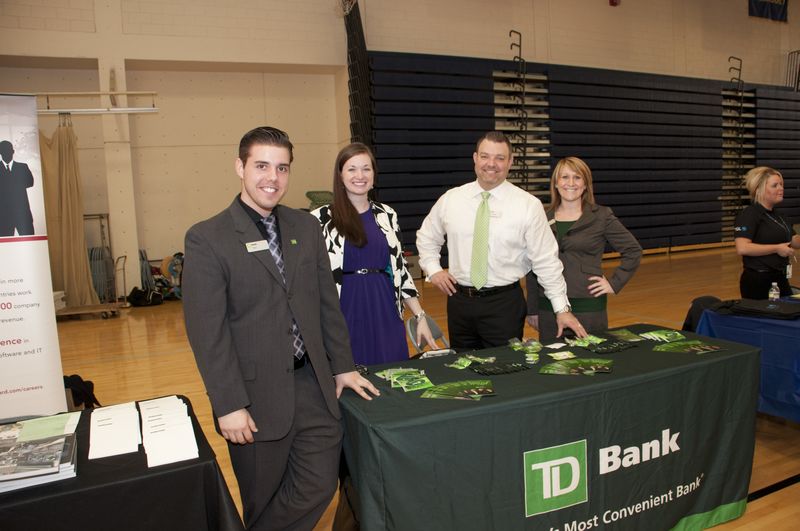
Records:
x=582, y=229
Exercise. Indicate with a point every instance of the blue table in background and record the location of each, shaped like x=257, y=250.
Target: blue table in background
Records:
x=779, y=340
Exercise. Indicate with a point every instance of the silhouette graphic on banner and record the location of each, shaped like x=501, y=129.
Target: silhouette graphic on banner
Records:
x=15, y=179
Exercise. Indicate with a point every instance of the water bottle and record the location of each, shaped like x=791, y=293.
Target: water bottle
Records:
x=774, y=292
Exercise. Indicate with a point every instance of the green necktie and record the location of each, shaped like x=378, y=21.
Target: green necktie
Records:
x=479, y=268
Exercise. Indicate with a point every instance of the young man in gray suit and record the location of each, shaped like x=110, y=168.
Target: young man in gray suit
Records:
x=263, y=320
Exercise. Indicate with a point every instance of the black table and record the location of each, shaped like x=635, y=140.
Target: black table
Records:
x=779, y=340
x=665, y=440
x=121, y=493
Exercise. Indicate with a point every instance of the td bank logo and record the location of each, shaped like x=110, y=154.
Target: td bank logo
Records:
x=555, y=477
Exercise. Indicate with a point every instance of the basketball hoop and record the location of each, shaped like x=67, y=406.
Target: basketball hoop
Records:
x=347, y=6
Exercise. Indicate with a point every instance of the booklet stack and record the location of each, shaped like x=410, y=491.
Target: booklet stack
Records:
x=407, y=379
x=114, y=430
x=37, y=451
x=462, y=390
x=167, y=431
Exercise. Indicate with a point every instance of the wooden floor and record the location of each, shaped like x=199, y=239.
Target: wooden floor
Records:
x=144, y=353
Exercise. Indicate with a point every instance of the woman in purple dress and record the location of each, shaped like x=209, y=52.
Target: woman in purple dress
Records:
x=363, y=240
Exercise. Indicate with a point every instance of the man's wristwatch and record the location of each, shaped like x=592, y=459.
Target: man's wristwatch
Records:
x=565, y=309
x=420, y=315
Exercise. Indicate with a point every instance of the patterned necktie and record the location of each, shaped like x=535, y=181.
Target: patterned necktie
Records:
x=479, y=268
x=273, y=241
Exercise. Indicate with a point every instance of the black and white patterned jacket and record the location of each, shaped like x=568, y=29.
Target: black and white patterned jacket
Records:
x=387, y=221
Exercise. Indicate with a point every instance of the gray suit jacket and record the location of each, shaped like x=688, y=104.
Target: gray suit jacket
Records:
x=239, y=313
x=581, y=252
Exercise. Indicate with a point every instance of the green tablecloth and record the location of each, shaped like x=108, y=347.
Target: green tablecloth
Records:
x=679, y=428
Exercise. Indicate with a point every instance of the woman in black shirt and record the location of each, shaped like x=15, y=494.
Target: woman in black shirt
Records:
x=764, y=239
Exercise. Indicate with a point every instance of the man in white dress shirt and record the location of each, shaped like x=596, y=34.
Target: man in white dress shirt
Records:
x=486, y=308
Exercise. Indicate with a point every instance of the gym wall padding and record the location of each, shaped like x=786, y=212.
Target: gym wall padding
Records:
x=654, y=143
x=778, y=142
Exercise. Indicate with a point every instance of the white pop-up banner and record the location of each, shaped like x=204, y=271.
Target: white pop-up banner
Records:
x=31, y=381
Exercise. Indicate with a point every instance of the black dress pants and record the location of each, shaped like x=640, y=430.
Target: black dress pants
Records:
x=477, y=322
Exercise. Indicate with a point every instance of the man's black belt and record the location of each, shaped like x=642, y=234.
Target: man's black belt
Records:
x=363, y=271
x=299, y=363
x=754, y=270
x=469, y=291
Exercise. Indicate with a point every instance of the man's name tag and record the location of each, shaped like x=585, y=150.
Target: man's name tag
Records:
x=260, y=245
x=495, y=214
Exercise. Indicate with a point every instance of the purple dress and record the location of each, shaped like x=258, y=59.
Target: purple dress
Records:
x=376, y=330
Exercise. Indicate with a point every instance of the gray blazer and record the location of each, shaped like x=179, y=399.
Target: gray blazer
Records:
x=581, y=253
x=239, y=313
